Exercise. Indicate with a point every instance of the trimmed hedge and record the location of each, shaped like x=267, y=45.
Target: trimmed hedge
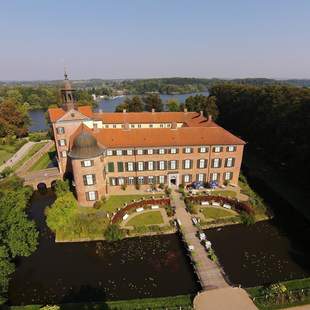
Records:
x=139, y=204
x=235, y=204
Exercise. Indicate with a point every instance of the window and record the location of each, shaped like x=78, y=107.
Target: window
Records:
x=216, y=163
x=110, y=167
x=173, y=164
x=129, y=152
x=217, y=149
x=214, y=176
x=228, y=176
x=91, y=196
x=161, y=151
x=63, y=154
x=161, y=165
x=121, y=181
x=201, y=163
x=131, y=180
x=161, y=125
x=109, y=152
x=140, y=180
x=200, y=177
x=231, y=148
x=130, y=166
x=187, y=164
x=113, y=181
x=150, y=165
x=139, y=125
x=87, y=163
x=140, y=166
x=173, y=151
x=203, y=149
x=119, y=152
x=62, y=142
x=89, y=179
x=150, y=151
x=60, y=130
x=161, y=179
x=120, y=167
x=140, y=152
x=106, y=126
x=132, y=126
x=114, y=126
x=151, y=125
x=150, y=179
x=229, y=162
x=186, y=178
x=187, y=150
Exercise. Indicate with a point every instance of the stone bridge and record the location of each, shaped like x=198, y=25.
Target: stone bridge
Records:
x=42, y=178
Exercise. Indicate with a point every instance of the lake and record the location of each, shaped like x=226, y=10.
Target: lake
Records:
x=38, y=122
x=97, y=271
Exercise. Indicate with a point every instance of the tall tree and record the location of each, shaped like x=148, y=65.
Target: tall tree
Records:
x=153, y=101
x=207, y=104
x=173, y=105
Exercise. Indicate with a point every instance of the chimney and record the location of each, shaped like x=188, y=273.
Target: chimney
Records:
x=124, y=111
x=153, y=110
x=201, y=113
x=185, y=110
x=210, y=118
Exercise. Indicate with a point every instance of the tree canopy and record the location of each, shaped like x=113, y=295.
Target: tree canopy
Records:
x=207, y=104
x=18, y=234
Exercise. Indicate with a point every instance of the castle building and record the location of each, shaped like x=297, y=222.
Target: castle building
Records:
x=105, y=152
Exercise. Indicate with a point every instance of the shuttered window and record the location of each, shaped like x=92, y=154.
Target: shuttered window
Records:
x=110, y=167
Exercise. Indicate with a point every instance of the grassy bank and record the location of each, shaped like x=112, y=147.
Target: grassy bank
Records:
x=295, y=293
x=173, y=302
x=34, y=149
x=44, y=161
x=8, y=149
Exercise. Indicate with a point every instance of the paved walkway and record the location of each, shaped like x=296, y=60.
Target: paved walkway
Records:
x=216, y=293
x=229, y=298
x=17, y=156
x=208, y=272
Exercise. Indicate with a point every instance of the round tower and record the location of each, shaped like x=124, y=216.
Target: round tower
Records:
x=88, y=169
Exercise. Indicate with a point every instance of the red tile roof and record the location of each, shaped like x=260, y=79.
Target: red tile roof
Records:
x=212, y=134
x=57, y=113
x=148, y=117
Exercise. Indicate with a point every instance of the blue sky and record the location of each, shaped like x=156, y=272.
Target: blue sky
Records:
x=154, y=38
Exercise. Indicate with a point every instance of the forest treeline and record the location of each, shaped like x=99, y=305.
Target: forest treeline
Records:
x=16, y=101
x=274, y=120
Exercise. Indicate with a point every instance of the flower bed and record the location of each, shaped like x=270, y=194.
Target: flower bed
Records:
x=235, y=204
x=139, y=204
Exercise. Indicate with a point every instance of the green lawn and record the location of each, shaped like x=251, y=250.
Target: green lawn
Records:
x=216, y=213
x=44, y=161
x=7, y=150
x=35, y=148
x=115, y=202
x=224, y=193
x=148, y=218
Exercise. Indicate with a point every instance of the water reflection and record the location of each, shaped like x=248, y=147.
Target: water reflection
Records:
x=92, y=271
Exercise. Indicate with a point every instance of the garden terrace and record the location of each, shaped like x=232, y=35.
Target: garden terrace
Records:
x=139, y=204
x=235, y=204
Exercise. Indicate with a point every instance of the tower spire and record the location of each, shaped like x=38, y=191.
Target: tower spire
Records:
x=67, y=94
x=65, y=73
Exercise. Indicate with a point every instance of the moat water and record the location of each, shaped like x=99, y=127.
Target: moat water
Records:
x=97, y=271
x=269, y=251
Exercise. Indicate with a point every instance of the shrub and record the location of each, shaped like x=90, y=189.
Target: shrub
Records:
x=61, y=212
x=246, y=218
x=161, y=185
x=113, y=233
x=6, y=172
x=47, y=307
x=137, y=186
x=153, y=187
x=169, y=210
x=167, y=190
x=62, y=187
x=211, y=255
x=123, y=187
x=37, y=136
x=192, y=208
